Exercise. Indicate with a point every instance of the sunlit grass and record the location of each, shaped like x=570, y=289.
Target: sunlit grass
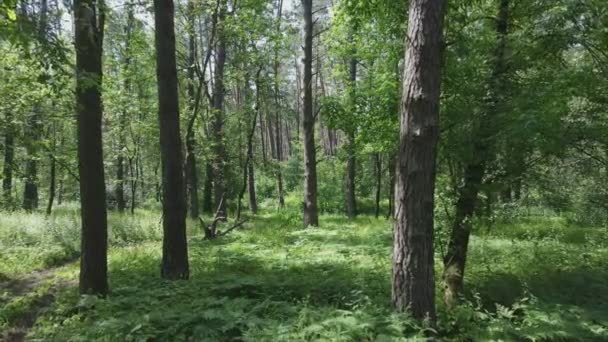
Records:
x=275, y=280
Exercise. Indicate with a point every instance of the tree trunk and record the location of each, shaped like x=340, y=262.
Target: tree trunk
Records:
x=9, y=157
x=52, y=176
x=455, y=259
x=220, y=158
x=208, y=189
x=413, y=287
x=277, y=108
x=191, y=170
x=175, y=246
x=378, y=164
x=311, y=216
x=351, y=162
x=89, y=21
x=30, y=192
x=248, y=178
x=392, y=165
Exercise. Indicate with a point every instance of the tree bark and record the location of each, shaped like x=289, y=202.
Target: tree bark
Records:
x=220, y=158
x=277, y=108
x=89, y=18
x=378, y=164
x=175, y=247
x=208, y=189
x=191, y=169
x=413, y=282
x=311, y=216
x=53, y=174
x=455, y=259
x=351, y=162
x=9, y=158
x=122, y=120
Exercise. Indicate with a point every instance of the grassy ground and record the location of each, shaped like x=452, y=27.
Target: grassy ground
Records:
x=534, y=279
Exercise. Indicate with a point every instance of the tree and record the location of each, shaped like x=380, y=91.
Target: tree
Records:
x=194, y=99
x=482, y=153
x=311, y=215
x=413, y=285
x=89, y=19
x=175, y=248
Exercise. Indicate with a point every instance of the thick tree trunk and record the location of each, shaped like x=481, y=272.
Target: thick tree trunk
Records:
x=175, y=246
x=413, y=253
x=311, y=215
x=89, y=18
x=9, y=158
x=378, y=165
x=455, y=259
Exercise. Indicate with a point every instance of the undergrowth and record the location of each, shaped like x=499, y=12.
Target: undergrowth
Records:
x=532, y=279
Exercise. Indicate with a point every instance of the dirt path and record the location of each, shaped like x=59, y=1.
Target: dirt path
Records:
x=22, y=286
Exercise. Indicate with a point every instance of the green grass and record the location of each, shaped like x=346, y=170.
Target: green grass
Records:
x=533, y=279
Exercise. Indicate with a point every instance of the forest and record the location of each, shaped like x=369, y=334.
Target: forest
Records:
x=304, y=170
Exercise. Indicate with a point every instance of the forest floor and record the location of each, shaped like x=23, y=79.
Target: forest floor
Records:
x=534, y=278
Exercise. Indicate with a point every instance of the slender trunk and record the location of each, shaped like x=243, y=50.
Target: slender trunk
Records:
x=392, y=164
x=89, y=18
x=455, y=259
x=263, y=137
x=378, y=164
x=311, y=216
x=134, y=179
x=220, y=158
x=191, y=170
x=9, y=157
x=351, y=163
x=248, y=178
x=277, y=108
x=208, y=189
x=122, y=120
x=413, y=287
x=52, y=176
x=60, y=191
x=175, y=245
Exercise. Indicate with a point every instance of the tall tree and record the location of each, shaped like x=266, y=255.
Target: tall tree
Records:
x=474, y=171
x=311, y=215
x=278, y=138
x=175, y=246
x=351, y=162
x=89, y=20
x=219, y=158
x=122, y=119
x=193, y=98
x=413, y=287
x=30, y=191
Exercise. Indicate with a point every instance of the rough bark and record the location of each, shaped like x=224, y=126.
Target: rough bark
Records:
x=413, y=285
x=474, y=171
x=175, y=248
x=311, y=216
x=89, y=21
x=351, y=162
